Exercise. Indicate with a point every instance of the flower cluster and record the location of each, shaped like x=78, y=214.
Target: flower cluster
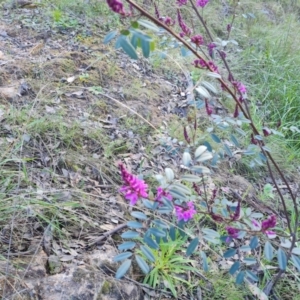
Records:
x=133, y=187
x=201, y=3
x=116, y=6
x=240, y=87
x=197, y=39
x=162, y=193
x=185, y=29
x=167, y=20
x=265, y=225
x=211, y=47
x=185, y=213
x=200, y=63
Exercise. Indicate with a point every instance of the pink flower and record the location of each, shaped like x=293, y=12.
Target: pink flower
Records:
x=269, y=223
x=211, y=47
x=116, y=6
x=185, y=29
x=201, y=3
x=232, y=232
x=162, y=193
x=240, y=87
x=213, y=67
x=197, y=39
x=168, y=21
x=133, y=187
x=208, y=108
x=199, y=63
x=185, y=213
x=181, y=2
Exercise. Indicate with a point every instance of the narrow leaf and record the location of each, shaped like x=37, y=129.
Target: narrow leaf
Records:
x=126, y=246
x=122, y=256
x=169, y=174
x=172, y=233
x=251, y=275
x=268, y=251
x=145, y=47
x=234, y=140
x=150, y=242
x=215, y=138
x=204, y=261
x=148, y=253
x=110, y=36
x=199, y=151
x=234, y=268
x=210, y=232
x=240, y=277
x=130, y=235
x=123, y=269
x=296, y=261
x=191, y=178
x=134, y=224
x=249, y=261
x=148, y=24
x=156, y=232
x=192, y=246
x=128, y=48
x=227, y=150
x=186, y=159
x=254, y=242
x=282, y=259
x=229, y=253
x=142, y=264
x=139, y=215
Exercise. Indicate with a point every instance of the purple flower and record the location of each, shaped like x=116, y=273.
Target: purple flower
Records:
x=197, y=39
x=216, y=218
x=240, y=87
x=232, y=232
x=185, y=30
x=213, y=67
x=269, y=223
x=211, y=47
x=133, y=187
x=201, y=3
x=236, y=111
x=181, y=2
x=199, y=63
x=237, y=212
x=162, y=193
x=116, y=6
x=208, y=108
x=186, y=136
x=185, y=213
x=168, y=21
x=266, y=131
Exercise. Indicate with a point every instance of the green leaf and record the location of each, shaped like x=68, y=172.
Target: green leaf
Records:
x=250, y=261
x=135, y=24
x=254, y=242
x=148, y=253
x=211, y=239
x=128, y=48
x=139, y=215
x=145, y=47
x=125, y=32
x=142, y=264
x=227, y=150
x=200, y=170
x=151, y=243
x=205, y=156
x=282, y=259
x=156, y=232
x=191, y=178
x=192, y=246
x=148, y=24
x=126, y=246
x=169, y=174
x=199, y=151
x=172, y=233
x=130, y=235
x=160, y=223
x=204, y=261
x=240, y=277
x=234, y=140
x=122, y=256
x=251, y=275
x=234, y=268
x=134, y=224
x=152, y=46
x=181, y=188
x=123, y=268
x=134, y=40
x=210, y=232
x=118, y=42
x=245, y=248
x=296, y=261
x=149, y=204
x=215, y=138
x=186, y=159
x=177, y=194
x=110, y=36
x=229, y=253
x=268, y=251
x=296, y=251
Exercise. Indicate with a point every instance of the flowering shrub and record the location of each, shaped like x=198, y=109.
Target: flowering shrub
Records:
x=176, y=196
